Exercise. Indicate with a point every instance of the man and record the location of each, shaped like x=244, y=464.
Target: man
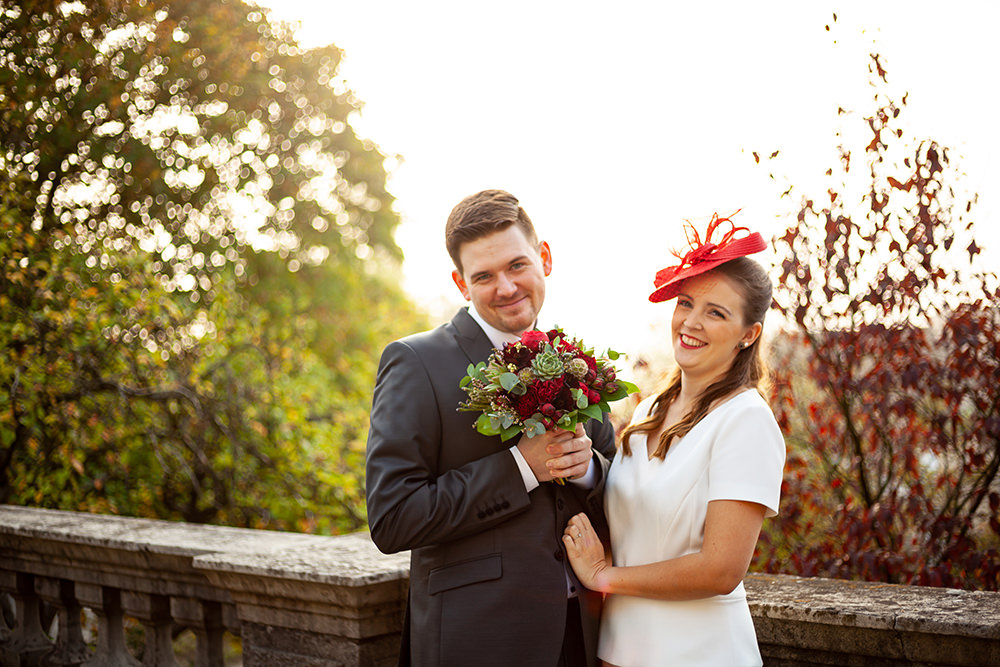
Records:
x=489, y=583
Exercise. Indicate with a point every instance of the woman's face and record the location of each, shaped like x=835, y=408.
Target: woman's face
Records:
x=707, y=327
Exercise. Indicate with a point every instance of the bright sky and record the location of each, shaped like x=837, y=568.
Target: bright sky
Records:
x=613, y=122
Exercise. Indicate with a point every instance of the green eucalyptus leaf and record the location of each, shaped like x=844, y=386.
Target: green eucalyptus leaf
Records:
x=509, y=380
x=533, y=428
x=509, y=433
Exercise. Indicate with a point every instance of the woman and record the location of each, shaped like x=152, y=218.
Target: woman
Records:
x=698, y=470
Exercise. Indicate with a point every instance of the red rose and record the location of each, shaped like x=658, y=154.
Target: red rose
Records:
x=527, y=404
x=534, y=339
x=548, y=390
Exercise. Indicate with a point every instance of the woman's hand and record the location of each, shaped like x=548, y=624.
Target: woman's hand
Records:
x=586, y=553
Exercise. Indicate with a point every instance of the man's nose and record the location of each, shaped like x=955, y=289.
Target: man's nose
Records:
x=505, y=285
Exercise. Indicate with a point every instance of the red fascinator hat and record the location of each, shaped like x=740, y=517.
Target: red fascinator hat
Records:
x=705, y=255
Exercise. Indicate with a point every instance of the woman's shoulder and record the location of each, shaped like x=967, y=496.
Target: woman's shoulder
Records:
x=748, y=411
x=747, y=398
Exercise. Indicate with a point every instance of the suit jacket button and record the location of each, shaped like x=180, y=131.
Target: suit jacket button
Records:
x=560, y=504
x=558, y=554
x=482, y=515
x=497, y=507
x=505, y=504
x=489, y=511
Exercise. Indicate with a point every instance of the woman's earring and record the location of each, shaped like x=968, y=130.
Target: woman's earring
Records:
x=742, y=345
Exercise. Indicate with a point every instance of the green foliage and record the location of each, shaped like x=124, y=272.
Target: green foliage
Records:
x=196, y=130
x=888, y=387
x=193, y=242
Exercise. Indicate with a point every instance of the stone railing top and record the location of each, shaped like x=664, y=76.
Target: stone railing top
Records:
x=166, y=537
x=865, y=604
x=345, y=560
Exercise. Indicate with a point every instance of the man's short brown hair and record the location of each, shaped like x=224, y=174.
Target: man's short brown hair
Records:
x=482, y=214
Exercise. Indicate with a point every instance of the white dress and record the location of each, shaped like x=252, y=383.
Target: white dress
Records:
x=656, y=510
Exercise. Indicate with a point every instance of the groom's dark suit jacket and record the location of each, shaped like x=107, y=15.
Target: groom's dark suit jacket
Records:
x=487, y=570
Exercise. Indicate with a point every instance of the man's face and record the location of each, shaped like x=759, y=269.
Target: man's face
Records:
x=503, y=275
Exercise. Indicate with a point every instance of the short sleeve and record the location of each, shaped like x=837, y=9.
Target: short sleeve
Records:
x=748, y=457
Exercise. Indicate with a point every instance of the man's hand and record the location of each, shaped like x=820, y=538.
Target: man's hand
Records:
x=557, y=454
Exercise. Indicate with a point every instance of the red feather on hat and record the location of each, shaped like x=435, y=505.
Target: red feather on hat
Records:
x=704, y=255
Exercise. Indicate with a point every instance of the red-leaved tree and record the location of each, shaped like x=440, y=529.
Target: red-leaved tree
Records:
x=888, y=387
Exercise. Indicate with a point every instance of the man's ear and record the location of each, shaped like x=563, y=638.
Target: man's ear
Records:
x=462, y=287
x=546, y=253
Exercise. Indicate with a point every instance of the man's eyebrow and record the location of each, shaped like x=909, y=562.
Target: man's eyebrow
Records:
x=515, y=260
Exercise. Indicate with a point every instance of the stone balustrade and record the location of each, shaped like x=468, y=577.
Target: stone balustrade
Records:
x=294, y=599
x=297, y=599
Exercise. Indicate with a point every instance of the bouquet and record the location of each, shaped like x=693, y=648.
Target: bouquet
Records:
x=541, y=382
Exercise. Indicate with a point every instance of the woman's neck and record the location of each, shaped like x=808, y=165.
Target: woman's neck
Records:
x=692, y=387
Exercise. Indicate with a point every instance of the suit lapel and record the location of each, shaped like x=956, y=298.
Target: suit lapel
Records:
x=471, y=337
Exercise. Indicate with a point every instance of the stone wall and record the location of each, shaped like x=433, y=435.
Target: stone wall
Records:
x=814, y=621
x=299, y=599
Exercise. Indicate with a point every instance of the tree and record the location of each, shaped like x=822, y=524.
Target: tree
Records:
x=180, y=189
x=887, y=386
x=198, y=131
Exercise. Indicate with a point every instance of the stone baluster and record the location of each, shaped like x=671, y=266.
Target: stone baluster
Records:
x=153, y=611
x=204, y=618
x=27, y=642
x=70, y=649
x=106, y=602
x=6, y=613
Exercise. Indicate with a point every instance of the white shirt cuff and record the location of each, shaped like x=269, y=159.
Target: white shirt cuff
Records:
x=530, y=483
x=589, y=478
